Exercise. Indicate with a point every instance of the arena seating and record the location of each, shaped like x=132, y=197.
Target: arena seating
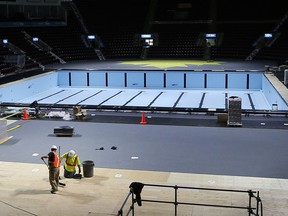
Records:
x=179, y=26
x=278, y=51
x=6, y=68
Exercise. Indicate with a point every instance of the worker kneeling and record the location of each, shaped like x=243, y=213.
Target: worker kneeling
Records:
x=70, y=165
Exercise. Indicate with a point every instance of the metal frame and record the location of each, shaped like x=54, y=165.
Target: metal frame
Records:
x=257, y=210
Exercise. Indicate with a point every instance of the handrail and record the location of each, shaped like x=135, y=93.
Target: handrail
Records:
x=135, y=190
x=120, y=211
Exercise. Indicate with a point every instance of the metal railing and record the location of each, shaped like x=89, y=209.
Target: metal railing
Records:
x=256, y=209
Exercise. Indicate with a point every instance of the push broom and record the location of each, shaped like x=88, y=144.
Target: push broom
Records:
x=60, y=183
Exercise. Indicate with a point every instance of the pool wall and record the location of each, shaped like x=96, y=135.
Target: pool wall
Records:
x=20, y=89
x=161, y=79
x=144, y=79
x=272, y=95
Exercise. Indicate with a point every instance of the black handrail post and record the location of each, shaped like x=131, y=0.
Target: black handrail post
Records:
x=257, y=207
x=132, y=206
x=120, y=212
x=176, y=200
x=250, y=197
x=258, y=199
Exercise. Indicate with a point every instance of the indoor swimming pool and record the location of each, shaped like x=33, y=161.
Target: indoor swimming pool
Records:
x=146, y=89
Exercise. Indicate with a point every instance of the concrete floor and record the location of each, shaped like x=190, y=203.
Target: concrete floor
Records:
x=24, y=190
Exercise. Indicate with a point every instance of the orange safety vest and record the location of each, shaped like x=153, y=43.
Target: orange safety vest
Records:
x=74, y=162
x=56, y=162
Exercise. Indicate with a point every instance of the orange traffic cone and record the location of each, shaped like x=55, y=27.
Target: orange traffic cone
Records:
x=25, y=115
x=143, y=120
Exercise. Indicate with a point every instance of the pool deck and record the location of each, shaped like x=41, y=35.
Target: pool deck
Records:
x=124, y=64
x=279, y=86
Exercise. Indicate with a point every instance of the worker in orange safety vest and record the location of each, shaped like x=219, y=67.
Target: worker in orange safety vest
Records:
x=54, y=168
x=71, y=160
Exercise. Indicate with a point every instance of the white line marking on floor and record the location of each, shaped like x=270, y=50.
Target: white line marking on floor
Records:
x=211, y=182
x=35, y=170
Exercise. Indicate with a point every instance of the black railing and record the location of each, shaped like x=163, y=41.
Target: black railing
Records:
x=131, y=209
x=256, y=209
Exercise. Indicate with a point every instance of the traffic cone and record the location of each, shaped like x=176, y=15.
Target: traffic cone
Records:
x=143, y=120
x=25, y=115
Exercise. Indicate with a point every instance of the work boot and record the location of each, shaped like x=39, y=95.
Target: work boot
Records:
x=53, y=192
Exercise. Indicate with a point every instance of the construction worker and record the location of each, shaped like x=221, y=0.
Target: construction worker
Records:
x=54, y=168
x=71, y=160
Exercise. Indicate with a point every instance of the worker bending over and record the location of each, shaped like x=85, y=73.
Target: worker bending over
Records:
x=71, y=160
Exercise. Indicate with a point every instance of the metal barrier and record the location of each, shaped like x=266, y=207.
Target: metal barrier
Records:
x=136, y=188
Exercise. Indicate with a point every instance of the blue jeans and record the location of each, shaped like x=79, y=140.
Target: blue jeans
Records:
x=68, y=174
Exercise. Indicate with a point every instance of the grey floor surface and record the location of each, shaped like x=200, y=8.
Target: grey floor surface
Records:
x=233, y=151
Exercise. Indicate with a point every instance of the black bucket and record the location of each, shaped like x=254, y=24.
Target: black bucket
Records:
x=88, y=168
